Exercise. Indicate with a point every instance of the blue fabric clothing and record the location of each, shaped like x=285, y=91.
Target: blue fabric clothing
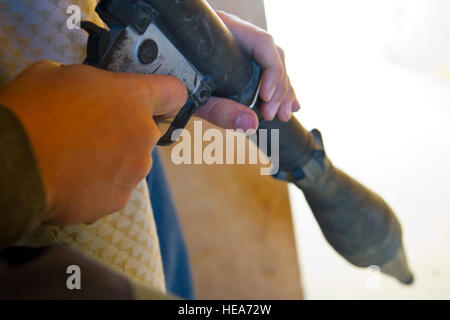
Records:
x=173, y=247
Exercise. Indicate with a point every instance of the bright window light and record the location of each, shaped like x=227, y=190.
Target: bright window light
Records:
x=371, y=75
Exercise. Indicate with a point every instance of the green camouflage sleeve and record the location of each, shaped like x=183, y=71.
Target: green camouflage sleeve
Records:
x=22, y=194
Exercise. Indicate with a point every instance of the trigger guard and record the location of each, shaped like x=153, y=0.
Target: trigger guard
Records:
x=179, y=122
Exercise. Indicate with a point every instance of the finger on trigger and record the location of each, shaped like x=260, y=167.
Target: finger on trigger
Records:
x=169, y=94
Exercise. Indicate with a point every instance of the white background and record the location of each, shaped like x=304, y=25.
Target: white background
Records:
x=371, y=76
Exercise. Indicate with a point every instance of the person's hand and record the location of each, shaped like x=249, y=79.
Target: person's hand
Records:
x=279, y=99
x=92, y=132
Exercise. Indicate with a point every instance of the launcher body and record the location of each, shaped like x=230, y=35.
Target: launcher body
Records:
x=187, y=39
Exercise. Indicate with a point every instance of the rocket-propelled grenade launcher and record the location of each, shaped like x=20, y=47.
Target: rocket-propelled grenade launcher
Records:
x=188, y=40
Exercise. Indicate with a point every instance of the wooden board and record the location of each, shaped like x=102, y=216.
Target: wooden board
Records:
x=238, y=229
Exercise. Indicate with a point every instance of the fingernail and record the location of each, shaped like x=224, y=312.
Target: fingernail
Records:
x=273, y=110
x=271, y=93
x=295, y=107
x=245, y=122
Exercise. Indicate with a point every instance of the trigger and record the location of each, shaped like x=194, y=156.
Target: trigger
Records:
x=173, y=133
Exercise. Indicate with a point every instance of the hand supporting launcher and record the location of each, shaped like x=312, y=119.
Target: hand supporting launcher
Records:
x=187, y=39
